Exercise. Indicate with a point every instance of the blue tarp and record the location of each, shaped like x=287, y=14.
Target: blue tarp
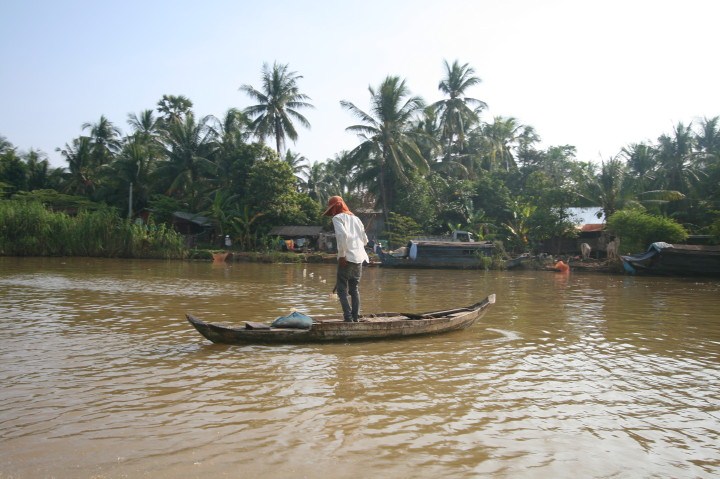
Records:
x=630, y=262
x=293, y=320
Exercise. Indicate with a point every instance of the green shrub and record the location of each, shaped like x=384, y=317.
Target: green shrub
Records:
x=637, y=230
x=203, y=254
x=401, y=229
x=487, y=262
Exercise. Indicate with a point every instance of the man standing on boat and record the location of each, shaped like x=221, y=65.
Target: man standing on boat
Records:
x=351, y=240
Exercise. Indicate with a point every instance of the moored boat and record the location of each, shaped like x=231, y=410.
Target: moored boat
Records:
x=681, y=260
x=518, y=261
x=333, y=328
x=440, y=254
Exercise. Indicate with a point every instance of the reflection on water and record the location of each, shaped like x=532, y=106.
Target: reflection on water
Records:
x=567, y=376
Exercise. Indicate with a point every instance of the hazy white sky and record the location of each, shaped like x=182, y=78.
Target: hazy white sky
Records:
x=594, y=74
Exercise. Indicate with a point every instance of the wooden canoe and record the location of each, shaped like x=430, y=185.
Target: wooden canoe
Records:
x=333, y=328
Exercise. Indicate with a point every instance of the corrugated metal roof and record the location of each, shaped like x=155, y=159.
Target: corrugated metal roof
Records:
x=194, y=218
x=296, y=231
x=588, y=228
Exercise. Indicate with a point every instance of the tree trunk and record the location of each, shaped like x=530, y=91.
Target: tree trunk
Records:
x=383, y=194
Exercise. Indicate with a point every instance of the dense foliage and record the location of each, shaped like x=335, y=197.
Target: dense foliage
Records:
x=27, y=228
x=639, y=229
x=438, y=165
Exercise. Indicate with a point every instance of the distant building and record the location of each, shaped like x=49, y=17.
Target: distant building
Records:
x=299, y=237
x=195, y=228
x=373, y=220
x=190, y=223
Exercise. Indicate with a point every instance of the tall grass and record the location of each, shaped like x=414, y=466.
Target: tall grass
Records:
x=29, y=229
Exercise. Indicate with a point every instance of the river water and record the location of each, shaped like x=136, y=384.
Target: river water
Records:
x=581, y=375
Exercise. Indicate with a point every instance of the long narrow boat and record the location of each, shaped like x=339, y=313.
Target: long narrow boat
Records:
x=333, y=328
x=440, y=254
x=518, y=261
x=681, y=260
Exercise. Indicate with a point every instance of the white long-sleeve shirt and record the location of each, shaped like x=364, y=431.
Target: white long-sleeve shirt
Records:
x=351, y=238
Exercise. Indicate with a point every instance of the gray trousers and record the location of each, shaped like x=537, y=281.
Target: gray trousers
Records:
x=348, y=278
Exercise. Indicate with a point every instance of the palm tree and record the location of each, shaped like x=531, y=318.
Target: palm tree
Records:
x=105, y=140
x=680, y=169
x=81, y=175
x=145, y=126
x=278, y=102
x=708, y=143
x=642, y=164
x=174, y=108
x=5, y=145
x=188, y=148
x=299, y=166
x=457, y=113
x=38, y=170
x=611, y=191
x=147, y=132
x=13, y=173
x=389, y=144
x=708, y=140
x=234, y=128
x=675, y=156
x=223, y=210
x=502, y=137
x=231, y=133
x=322, y=183
x=608, y=188
x=134, y=166
x=429, y=132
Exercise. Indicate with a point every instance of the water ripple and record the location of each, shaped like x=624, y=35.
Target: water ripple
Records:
x=589, y=377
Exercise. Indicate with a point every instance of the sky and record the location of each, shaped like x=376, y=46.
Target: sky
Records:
x=598, y=75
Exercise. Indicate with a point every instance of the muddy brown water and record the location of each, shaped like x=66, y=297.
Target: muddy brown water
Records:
x=580, y=375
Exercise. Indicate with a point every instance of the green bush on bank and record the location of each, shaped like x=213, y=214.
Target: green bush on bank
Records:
x=637, y=230
x=30, y=229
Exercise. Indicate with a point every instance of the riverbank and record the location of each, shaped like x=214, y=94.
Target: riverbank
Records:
x=258, y=257
x=597, y=266
x=281, y=257
x=588, y=265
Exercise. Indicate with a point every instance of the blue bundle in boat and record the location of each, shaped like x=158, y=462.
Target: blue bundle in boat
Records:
x=293, y=320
